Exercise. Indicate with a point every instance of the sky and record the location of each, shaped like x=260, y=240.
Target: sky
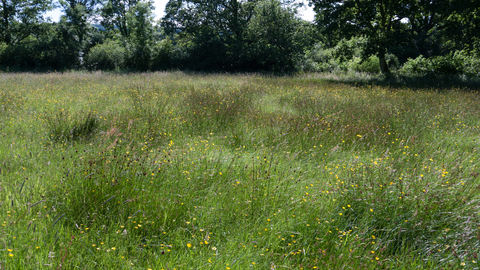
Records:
x=307, y=13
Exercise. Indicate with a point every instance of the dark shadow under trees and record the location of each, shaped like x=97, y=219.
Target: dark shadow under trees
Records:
x=418, y=82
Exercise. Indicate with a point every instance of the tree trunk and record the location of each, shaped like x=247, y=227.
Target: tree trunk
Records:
x=381, y=56
x=383, y=65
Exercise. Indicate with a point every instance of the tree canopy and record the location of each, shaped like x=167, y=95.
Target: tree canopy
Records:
x=21, y=18
x=217, y=29
x=243, y=35
x=387, y=22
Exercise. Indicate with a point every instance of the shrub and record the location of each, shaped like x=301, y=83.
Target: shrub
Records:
x=21, y=55
x=162, y=55
x=319, y=59
x=392, y=61
x=370, y=65
x=459, y=62
x=346, y=55
x=346, y=50
x=3, y=47
x=471, y=63
x=138, y=56
x=107, y=56
x=447, y=64
x=419, y=65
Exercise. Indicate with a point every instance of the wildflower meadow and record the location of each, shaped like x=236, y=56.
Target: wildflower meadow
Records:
x=195, y=171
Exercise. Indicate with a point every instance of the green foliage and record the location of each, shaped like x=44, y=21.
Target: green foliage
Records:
x=236, y=35
x=272, y=34
x=62, y=46
x=377, y=21
x=443, y=27
x=432, y=28
x=346, y=50
x=140, y=24
x=392, y=61
x=114, y=15
x=21, y=18
x=370, y=65
x=319, y=58
x=447, y=64
x=228, y=18
x=251, y=35
x=55, y=47
x=3, y=47
x=419, y=65
x=76, y=15
x=456, y=63
x=20, y=55
x=346, y=55
x=470, y=62
x=110, y=55
x=215, y=29
x=133, y=21
x=162, y=55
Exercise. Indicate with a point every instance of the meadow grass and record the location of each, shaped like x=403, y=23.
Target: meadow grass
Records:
x=176, y=171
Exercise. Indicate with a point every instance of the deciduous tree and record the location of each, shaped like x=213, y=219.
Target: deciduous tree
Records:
x=276, y=37
x=424, y=24
x=114, y=15
x=20, y=18
x=217, y=28
x=377, y=20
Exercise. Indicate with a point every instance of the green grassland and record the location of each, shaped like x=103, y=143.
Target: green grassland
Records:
x=177, y=171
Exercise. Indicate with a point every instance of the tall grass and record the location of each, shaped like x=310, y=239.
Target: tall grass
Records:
x=64, y=127
x=175, y=171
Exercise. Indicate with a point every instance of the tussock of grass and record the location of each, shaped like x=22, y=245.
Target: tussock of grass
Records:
x=64, y=127
x=168, y=170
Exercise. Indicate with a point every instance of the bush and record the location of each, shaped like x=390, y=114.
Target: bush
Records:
x=3, y=47
x=470, y=62
x=162, y=55
x=370, y=65
x=392, y=61
x=107, y=56
x=447, y=64
x=419, y=65
x=21, y=55
x=346, y=50
x=346, y=55
x=138, y=56
x=318, y=59
x=459, y=62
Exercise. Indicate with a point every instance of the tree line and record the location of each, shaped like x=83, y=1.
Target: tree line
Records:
x=417, y=36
